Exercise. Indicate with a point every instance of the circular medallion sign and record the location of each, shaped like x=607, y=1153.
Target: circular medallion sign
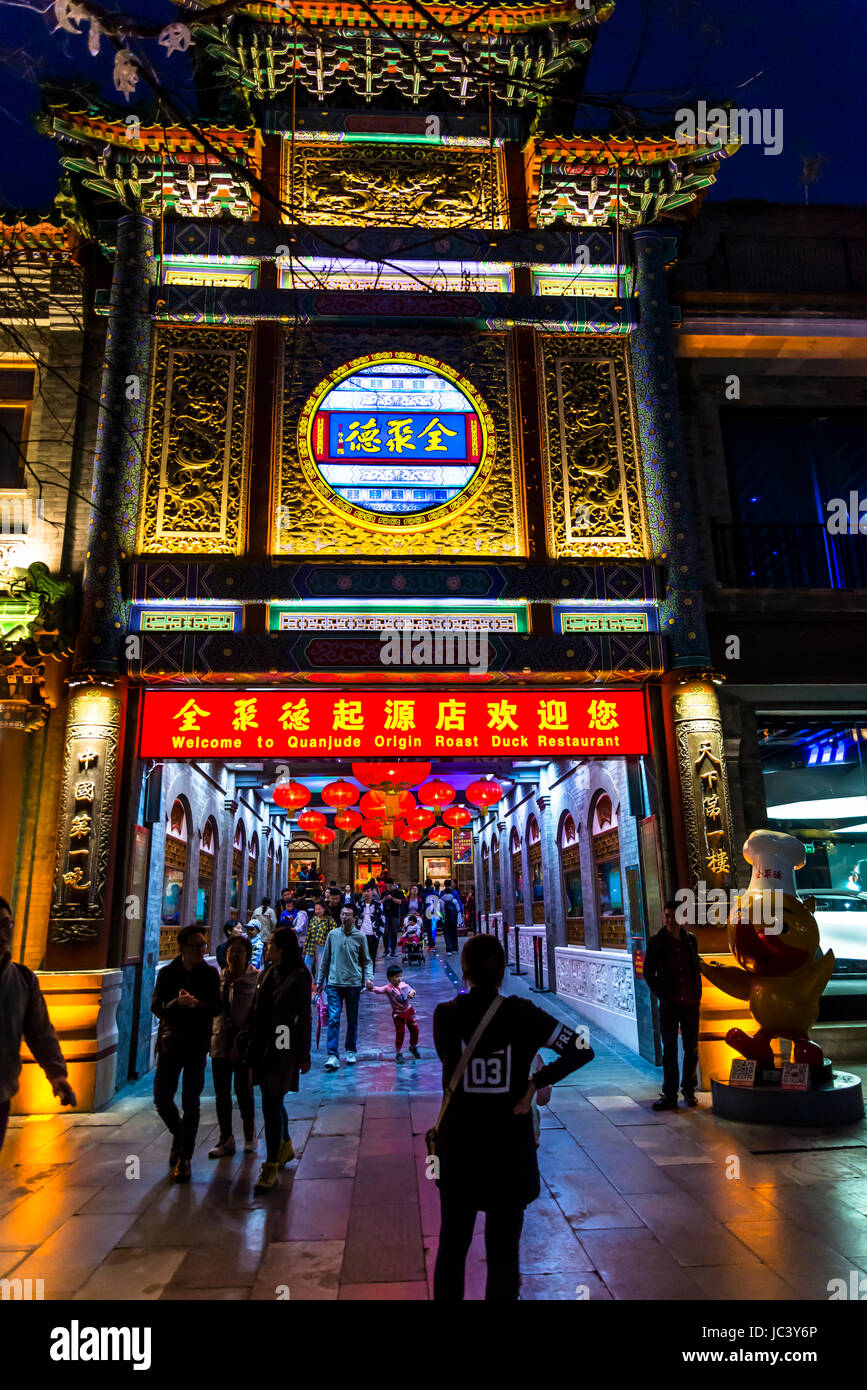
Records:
x=396, y=440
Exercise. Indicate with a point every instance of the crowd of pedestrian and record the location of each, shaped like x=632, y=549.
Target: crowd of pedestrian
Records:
x=317, y=950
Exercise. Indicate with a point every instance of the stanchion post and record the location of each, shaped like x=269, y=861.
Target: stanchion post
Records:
x=539, y=987
x=516, y=968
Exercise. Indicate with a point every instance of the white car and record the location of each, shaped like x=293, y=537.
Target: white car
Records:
x=842, y=919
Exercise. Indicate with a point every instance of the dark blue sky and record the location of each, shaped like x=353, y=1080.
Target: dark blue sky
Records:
x=797, y=55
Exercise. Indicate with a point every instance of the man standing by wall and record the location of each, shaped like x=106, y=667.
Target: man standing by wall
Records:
x=672, y=973
x=23, y=1013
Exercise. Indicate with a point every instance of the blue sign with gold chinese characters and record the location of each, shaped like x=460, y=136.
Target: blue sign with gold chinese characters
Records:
x=396, y=440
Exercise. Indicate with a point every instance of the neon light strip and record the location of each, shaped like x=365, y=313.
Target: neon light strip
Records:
x=339, y=137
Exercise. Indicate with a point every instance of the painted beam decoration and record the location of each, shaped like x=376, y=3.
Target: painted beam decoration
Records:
x=400, y=441
x=560, y=723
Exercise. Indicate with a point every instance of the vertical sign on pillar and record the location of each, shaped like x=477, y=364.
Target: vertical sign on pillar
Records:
x=704, y=785
x=79, y=907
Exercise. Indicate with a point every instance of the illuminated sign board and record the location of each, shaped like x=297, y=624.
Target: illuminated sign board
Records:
x=399, y=441
x=553, y=723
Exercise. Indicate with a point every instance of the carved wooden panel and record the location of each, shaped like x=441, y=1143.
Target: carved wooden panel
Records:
x=593, y=475
x=394, y=185
x=194, y=490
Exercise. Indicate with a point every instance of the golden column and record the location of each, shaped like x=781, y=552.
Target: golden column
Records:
x=699, y=780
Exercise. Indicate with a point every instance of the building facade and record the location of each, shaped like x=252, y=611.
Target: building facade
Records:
x=387, y=354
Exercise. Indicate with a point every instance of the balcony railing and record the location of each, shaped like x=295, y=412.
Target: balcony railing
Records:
x=787, y=556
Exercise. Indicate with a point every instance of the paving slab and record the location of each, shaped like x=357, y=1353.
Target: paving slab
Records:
x=384, y=1245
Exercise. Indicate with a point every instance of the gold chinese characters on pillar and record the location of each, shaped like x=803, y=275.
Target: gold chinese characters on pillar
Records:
x=704, y=785
x=85, y=817
x=592, y=474
x=194, y=486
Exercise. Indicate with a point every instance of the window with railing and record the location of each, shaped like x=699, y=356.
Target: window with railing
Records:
x=792, y=476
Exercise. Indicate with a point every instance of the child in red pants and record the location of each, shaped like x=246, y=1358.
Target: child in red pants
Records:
x=399, y=995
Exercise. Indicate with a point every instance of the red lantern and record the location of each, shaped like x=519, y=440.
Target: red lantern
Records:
x=324, y=836
x=440, y=835
x=291, y=795
x=420, y=817
x=457, y=817
x=348, y=820
x=311, y=820
x=484, y=794
x=411, y=832
x=372, y=829
x=340, y=795
x=436, y=794
x=391, y=778
x=376, y=804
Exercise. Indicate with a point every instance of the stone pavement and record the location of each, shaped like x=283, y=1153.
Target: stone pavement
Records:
x=634, y=1205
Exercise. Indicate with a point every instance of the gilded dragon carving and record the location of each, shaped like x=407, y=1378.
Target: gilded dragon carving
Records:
x=195, y=476
x=593, y=478
x=400, y=186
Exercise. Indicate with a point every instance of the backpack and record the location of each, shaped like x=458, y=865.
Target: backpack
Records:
x=450, y=912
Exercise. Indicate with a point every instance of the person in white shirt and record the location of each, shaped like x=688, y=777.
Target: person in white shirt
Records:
x=267, y=919
x=302, y=918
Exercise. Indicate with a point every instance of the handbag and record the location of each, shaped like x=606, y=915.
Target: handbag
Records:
x=430, y=1138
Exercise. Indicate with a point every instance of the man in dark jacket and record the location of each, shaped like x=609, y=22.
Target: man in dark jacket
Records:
x=23, y=1013
x=672, y=973
x=393, y=907
x=186, y=999
x=370, y=919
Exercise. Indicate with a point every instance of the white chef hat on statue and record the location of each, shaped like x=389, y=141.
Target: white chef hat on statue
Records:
x=774, y=857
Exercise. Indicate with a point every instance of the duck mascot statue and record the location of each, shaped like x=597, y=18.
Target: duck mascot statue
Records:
x=781, y=970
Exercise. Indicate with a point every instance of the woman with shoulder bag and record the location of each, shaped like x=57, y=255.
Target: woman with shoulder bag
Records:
x=483, y=1140
x=277, y=1045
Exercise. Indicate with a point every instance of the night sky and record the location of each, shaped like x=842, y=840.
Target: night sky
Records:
x=802, y=57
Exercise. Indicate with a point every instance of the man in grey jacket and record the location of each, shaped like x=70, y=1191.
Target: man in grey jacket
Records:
x=346, y=966
x=23, y=1013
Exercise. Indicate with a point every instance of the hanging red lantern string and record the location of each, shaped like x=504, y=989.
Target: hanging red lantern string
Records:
x=484, y=794
x=324, y=836
x=436, y=794
x=456, y=816
x=311, y=820
x=340, y=794
x=291, y=795
x=420, y=817
x=440, y=835
x=348, y=820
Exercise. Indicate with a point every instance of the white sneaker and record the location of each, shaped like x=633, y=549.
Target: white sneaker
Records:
x=333, y=1063
x=350, y=1059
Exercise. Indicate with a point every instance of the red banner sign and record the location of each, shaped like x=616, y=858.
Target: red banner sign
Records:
x=318, y=723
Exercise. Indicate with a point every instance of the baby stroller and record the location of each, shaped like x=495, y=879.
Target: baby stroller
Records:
x=411, y=943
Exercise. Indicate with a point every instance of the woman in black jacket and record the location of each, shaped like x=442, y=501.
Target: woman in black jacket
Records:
x=485, y=1146
x=278, y=1045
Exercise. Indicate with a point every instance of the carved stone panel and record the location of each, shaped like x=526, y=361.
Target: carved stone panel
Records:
x=592, y=475
x=194, y=493
x=85, y=821
x=394, y=185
